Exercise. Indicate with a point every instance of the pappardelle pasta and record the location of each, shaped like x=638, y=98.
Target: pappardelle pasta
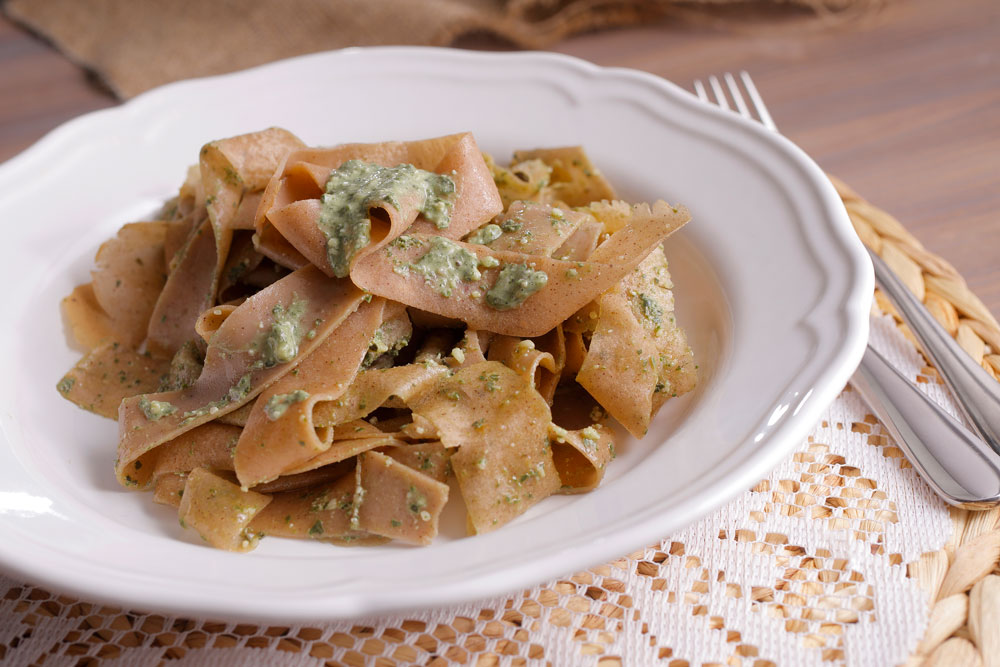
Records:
x=328, y=343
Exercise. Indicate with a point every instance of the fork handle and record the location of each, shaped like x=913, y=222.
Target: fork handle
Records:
x=978, y=394
x=957, y=464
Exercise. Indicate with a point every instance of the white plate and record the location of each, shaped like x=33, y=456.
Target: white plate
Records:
x=771, y=282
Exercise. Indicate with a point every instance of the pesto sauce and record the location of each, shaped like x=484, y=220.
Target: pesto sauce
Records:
x=557, y=217
x=185, y=367
x=155, y=410
x=485, y=235
x=405, y=241
x=515, y=283
x=380, y=345
x=376, y=348
x=445, y=264
x=516, y=233
x=416, y=501
x=279, y=403
x=281, y=342
x=355, y=186
x=278, y=345
x=239, y=390
x=236, y=393
x=511, y=225
x=650, y=310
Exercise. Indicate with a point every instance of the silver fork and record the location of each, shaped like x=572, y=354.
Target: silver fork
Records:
x=961, y=468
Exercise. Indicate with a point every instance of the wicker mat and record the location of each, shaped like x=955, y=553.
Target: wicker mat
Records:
x=841, y=556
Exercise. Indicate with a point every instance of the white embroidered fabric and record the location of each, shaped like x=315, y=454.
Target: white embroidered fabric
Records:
x=807, y=568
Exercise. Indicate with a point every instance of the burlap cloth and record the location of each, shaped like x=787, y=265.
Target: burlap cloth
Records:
x=134, y=45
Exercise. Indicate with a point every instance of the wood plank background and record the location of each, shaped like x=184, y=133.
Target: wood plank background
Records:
x=904, y=105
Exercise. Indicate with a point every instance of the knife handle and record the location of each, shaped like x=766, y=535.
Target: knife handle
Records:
x=977, y=394
x=956, y=463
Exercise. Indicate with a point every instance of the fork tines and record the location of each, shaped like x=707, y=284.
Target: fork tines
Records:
x=736, y=95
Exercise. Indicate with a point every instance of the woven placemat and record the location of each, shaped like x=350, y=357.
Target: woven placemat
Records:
x=596, y=617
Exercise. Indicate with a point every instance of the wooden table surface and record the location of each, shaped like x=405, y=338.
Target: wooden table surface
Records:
x=904, y=106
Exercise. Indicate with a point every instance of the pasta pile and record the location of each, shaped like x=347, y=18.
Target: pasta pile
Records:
x=326, y=343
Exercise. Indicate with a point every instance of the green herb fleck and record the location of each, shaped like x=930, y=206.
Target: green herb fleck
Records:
x=511, y=225
x=649, y=309
x=232, y=178
x=415, y=500
x=492, y=381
